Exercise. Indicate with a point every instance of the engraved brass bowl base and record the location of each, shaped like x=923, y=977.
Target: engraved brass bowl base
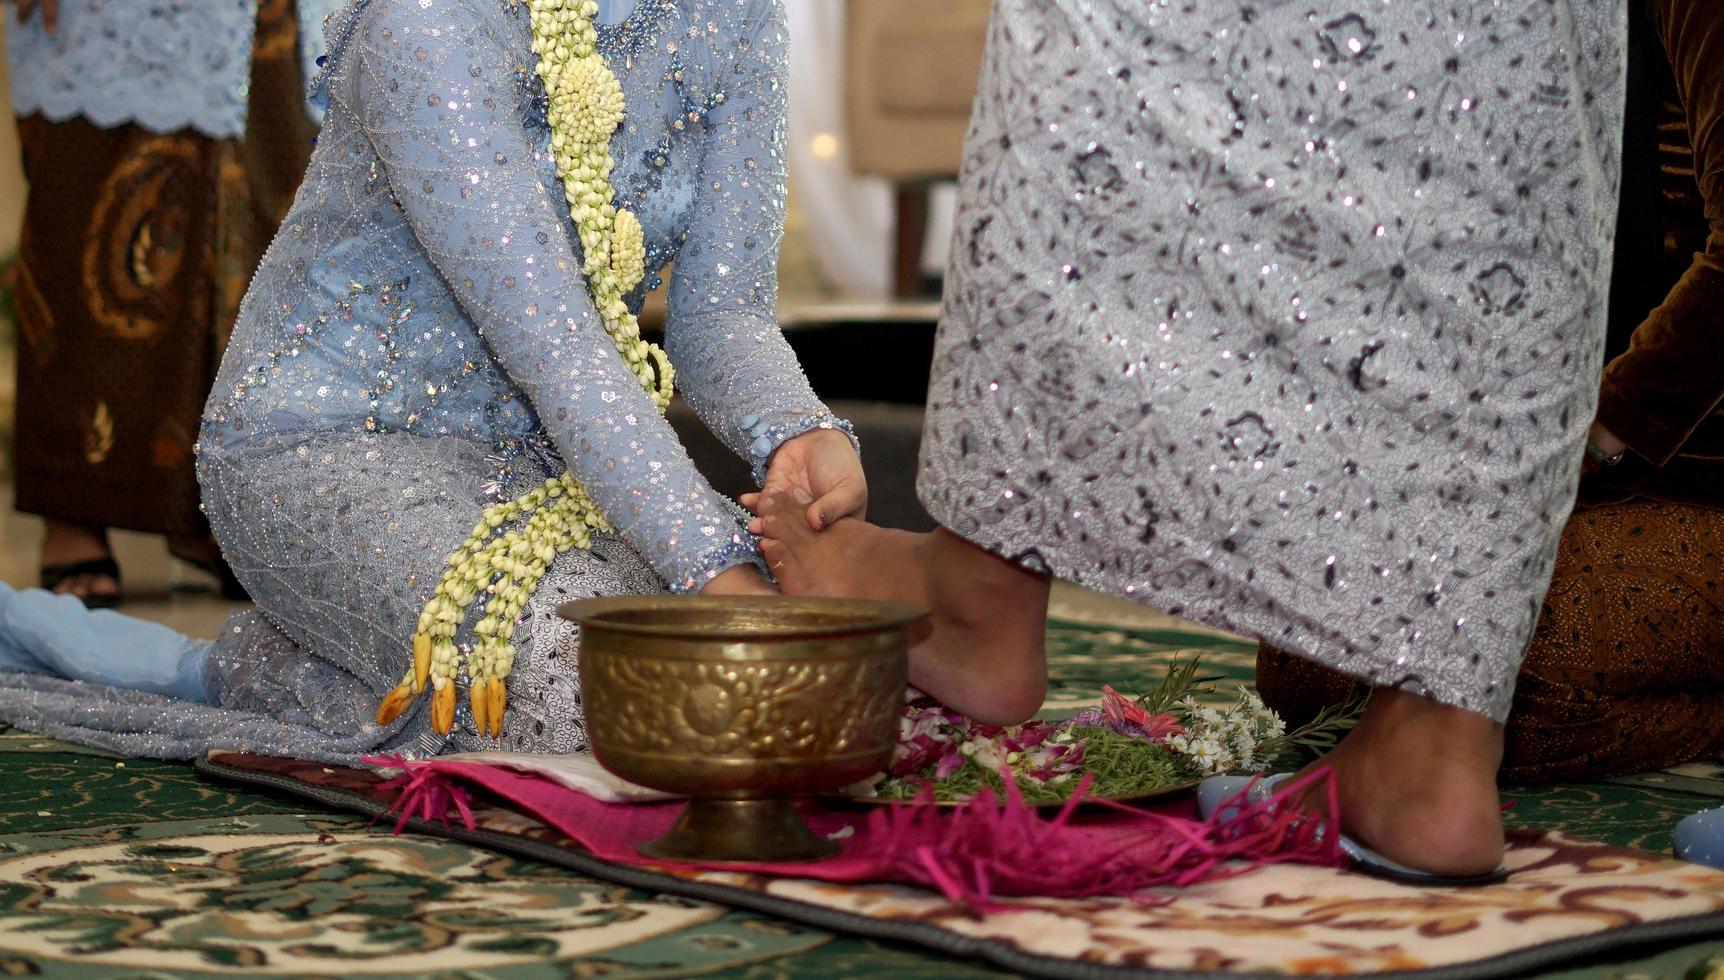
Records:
x=739, y=830
x=739, y=703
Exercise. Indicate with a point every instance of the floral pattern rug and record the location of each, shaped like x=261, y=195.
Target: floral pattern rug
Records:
x=124, y=867
x=1564, y=897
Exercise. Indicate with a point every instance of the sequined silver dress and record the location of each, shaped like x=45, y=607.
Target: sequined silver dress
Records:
x=1286, y=316
x=418, y=343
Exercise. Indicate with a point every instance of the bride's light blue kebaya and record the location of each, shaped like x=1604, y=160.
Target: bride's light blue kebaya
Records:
x=418, y=343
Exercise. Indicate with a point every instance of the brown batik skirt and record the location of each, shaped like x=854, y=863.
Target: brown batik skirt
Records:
x=136, y=250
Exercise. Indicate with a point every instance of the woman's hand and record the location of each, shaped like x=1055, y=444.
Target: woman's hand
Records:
x=820, y=470
x=50, y=12
x=739, y=580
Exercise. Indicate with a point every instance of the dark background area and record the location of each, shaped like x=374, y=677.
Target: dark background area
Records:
x=875, y=375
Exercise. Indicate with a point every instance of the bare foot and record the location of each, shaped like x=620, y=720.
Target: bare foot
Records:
x=65, y=544
x=1417, y=784
x=825, y=563
x=983, y=653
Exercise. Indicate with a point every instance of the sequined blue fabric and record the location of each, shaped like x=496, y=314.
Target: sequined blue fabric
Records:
x=162, y=64
x=1286, y=316
x=418, y=343
x=426, y=283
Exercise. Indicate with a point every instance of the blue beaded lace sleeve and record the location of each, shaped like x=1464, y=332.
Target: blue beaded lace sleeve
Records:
x=733, y=365
x=444, y=117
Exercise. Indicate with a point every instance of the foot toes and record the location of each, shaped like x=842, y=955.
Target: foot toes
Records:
x=88, y=587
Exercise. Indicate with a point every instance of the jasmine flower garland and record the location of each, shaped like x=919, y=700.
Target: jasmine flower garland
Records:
x=497, y=561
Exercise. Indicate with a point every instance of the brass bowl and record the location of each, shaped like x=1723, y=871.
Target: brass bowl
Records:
x=738, y=703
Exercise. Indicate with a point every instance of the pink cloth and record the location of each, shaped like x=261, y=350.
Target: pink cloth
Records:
x=970, y=854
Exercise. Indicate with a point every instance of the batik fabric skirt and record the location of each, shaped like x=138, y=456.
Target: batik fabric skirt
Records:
x=136, y=250
x=1286, y=317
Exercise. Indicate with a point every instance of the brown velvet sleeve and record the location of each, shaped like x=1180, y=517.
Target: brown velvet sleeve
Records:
x=1671, y=378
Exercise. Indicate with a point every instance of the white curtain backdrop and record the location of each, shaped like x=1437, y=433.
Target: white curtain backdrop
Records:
x=848, y=218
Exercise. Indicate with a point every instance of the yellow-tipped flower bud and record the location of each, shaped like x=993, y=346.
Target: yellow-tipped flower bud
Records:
x=395, y=702
x=476, y=696
x=498, y=699
x=421, y=659
x=443, y=709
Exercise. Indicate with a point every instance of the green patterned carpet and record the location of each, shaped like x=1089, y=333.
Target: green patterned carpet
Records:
x=124, y=867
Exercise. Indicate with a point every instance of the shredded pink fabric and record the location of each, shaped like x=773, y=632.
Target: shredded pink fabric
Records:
x=425, y=793
x=990, y=848
x=973, y=855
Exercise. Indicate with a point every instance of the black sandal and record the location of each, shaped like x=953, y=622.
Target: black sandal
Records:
x=231, y=589
x=53, y=576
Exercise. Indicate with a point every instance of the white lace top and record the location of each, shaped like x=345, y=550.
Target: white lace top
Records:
x=165, y=65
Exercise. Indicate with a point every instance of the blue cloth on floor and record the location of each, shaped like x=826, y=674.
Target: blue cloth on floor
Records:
x=43, y=633
x=1700, y=838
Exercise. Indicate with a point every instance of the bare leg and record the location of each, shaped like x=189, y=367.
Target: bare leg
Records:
x=984, y=652
x=64, y=544
x=198, y=549
x=1417, y=784
x=1417, y=779
x=202, y=551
